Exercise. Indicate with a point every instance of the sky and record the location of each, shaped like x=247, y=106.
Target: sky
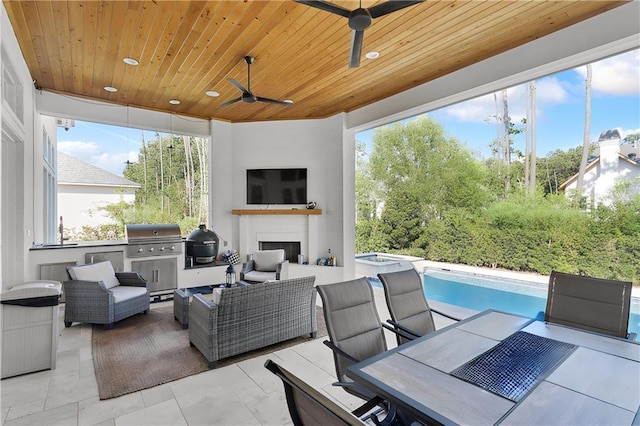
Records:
x=560, y=116
x=560, y=108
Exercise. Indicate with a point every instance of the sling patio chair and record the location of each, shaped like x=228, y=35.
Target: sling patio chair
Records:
x=355, y=334
x=307, y=406
x=408, y=306
x=593, y=304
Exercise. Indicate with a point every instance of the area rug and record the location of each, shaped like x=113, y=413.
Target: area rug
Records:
x=148, y=350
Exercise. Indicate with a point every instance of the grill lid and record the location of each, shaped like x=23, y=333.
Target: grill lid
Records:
x=152, y=233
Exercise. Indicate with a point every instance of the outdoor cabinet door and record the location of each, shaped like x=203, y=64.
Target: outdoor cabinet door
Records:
x=162, y=274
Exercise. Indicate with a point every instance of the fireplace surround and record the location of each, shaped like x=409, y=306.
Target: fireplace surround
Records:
x=298, y=226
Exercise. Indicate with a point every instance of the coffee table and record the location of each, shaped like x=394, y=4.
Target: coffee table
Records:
x=182, y=299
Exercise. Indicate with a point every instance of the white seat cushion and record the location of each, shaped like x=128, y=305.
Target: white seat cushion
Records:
x=125, y=292
x=267, y=260
x=259, y=276
x=101, y=271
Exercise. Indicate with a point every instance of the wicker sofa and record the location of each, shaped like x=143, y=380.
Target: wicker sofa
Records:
x=241, y=319
x=97, y=294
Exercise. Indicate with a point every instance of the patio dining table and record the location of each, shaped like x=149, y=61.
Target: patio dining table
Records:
x=499, y=368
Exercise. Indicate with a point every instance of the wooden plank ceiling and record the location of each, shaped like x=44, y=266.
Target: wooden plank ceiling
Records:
x=186, y=48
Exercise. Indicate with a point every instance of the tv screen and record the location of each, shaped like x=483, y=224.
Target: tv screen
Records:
x=277, y=186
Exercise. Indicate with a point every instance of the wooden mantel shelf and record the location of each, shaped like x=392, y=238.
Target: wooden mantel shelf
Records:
x=250, y=212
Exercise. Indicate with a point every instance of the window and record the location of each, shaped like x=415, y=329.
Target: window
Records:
x=49, y=187
x=110, y=176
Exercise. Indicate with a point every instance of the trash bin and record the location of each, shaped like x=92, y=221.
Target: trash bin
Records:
x=30, y=327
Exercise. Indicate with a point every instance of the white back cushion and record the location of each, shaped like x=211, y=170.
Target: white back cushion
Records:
x=267, y=260
x=101, y=271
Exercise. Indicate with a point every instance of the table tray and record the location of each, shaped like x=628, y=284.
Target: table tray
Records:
x=515, y=365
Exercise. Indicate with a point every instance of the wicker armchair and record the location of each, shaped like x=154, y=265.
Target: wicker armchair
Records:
x=241, y=319
x=266, y=265
x=98, y=295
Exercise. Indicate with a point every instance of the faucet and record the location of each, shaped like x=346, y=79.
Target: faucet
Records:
x=61, y=229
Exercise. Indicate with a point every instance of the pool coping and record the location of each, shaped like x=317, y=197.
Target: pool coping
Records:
x=498, y=273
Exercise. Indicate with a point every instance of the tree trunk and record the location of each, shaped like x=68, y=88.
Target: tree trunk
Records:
x=189, y=178
x=506, y=146
x=585, y=140
x=532, y=127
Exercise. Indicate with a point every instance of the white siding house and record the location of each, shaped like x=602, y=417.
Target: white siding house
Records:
x=84, y=188
x=611, y=166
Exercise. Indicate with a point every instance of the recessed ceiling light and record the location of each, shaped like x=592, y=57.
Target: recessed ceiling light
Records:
x=110, y=89
x=212, y=93
x=372, y=55
x=174, y=102
x=131, y=61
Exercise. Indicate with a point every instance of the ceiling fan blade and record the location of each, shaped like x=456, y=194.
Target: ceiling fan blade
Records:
x=356, y=48
x=273, y=101
x=326, y=6
x=239, y=86
x=231, y=102
x=390, y=6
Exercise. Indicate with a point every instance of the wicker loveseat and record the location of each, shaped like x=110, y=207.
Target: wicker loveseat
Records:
x=241, y=319
x=97, y=294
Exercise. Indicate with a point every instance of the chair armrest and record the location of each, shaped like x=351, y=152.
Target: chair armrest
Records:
x=247, y=267
x=80, y=289
x=133, y=279
x=400, y=332
x=399, y=326
x=339, y=351
x=282, y=270
x=444, y=315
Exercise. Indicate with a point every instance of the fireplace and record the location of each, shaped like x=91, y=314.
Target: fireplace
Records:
x=291, y=248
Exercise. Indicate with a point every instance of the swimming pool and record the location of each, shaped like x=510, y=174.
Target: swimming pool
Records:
x=481, y=292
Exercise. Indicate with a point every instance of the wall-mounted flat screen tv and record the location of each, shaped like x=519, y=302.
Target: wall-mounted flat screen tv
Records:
x=277, y=186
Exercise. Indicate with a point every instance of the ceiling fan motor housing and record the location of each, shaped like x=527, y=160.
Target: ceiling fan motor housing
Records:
x=359, y=19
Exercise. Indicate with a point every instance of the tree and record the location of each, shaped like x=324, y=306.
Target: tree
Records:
x=365, y=187
x=402, y=219
x=173, y=182
x=417, y=157
x=632, y=138
x=557, y=167
x=530, y=156
x=585, y=140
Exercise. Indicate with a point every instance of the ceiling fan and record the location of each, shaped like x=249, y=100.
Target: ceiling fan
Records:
x=247, y=95
x=359, y=19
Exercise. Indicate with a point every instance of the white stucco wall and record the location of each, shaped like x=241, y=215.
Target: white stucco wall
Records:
x=79, y=205
x=611, y=169
x=316, y=145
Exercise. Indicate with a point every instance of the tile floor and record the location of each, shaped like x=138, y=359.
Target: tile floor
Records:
x=240, y=394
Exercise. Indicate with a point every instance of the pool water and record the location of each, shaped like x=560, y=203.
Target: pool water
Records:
x=479, y=292
x=376, y=258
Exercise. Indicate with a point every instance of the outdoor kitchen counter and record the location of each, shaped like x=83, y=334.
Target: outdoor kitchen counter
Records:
x=80, y=244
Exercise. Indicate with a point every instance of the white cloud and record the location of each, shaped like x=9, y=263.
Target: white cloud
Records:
x=618, y=75
x=549, y=91
x=81, y=150
x=626, y=132
x=94, y=154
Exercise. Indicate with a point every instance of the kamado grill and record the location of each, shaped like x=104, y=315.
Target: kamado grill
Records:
x=153, y=240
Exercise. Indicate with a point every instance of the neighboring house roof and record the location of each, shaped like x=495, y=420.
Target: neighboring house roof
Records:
x=72, y=171
x=594, y=163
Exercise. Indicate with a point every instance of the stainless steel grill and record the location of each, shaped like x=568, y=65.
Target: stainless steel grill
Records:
x=153, y=240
